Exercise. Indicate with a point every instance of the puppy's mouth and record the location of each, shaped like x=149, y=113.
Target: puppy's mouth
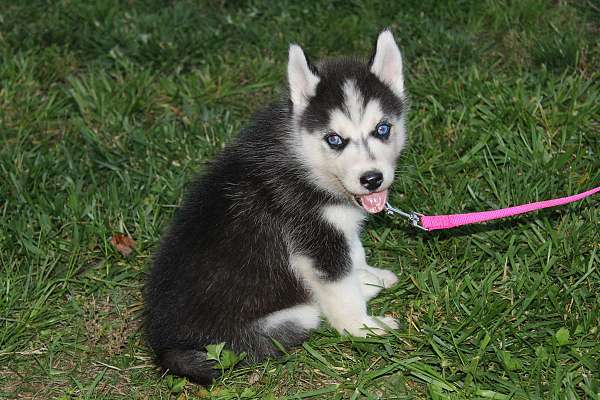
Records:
x=372, y=202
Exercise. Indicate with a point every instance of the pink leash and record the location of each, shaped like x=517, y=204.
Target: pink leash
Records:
x=436, y=222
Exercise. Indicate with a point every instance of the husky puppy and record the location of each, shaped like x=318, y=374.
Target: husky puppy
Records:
x=266, y=241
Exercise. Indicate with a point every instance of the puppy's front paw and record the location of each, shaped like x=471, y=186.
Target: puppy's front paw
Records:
x=387, y=278
x=373, y=325
x=386, y=324
x=371, y=284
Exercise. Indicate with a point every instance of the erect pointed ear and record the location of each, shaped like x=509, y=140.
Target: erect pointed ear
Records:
x=302, y=78
x=386, y=62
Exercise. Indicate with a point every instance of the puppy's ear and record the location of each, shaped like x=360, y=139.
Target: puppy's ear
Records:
x=302, y=77
x=386, y=62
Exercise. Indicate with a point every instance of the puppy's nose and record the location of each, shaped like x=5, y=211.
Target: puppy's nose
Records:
x=371, y=180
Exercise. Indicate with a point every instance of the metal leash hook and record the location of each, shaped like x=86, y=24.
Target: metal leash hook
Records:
x=413, y=217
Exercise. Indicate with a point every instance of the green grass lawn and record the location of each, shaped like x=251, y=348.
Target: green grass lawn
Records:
x=108, y=108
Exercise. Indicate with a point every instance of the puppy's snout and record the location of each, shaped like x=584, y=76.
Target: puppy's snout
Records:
x=371, y=180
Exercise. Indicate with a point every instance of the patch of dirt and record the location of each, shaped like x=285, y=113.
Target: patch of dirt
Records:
x=108, y=326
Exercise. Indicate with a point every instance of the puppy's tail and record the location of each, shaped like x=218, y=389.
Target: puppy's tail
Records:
x=189, y=363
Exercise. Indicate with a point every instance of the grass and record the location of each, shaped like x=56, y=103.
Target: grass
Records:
x=108, y=108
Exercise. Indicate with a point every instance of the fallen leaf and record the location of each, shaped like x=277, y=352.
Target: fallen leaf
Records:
x=124, y=244
x=253, y=378
x=562, y=336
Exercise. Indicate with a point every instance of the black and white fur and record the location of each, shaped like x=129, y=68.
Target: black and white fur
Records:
x=267, y=239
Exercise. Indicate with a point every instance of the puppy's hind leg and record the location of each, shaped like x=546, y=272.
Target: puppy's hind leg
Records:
x=289, y=326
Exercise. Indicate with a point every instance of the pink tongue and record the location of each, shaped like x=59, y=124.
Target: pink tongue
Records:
x=374, y=202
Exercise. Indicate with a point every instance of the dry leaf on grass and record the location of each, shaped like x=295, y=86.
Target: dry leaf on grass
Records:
x=124, y=244
x=253, y=378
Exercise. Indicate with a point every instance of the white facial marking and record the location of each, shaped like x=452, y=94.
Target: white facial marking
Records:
x=339, y=171
x=356, y=122
x=353, y=100
x=312, y=151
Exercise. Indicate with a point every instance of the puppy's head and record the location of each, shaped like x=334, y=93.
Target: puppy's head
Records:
x=349, y=121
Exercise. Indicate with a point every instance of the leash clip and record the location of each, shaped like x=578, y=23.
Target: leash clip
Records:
x=413, y=217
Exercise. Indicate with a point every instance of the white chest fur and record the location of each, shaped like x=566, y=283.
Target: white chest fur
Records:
x=345, y=218
x=349, y=221
x=343, y=301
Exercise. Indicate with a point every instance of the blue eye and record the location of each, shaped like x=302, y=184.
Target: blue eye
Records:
x=382, y=130
x=335, y=141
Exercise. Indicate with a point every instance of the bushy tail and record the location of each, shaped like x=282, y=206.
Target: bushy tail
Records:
x=256, y=342
x=189, y=363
